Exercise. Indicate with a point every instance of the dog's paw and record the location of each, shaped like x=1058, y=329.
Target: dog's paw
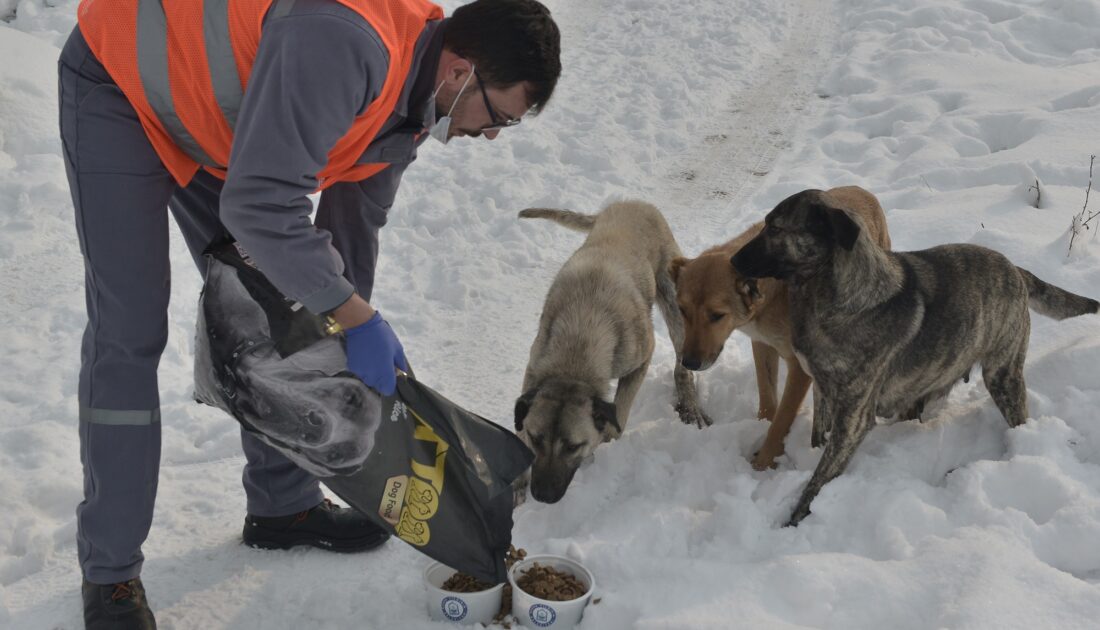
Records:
x=797, y=517
x=818, y=438
x=801, y=511
x=691, y=414
x=765, y=461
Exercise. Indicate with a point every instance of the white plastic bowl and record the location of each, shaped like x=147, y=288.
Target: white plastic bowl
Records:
x=464, y=608
x=533, y=612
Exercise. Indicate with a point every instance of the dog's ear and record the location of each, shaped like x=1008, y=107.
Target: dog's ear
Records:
x=603, y=413
x=523, y=405
x=845, y=229
x=749, y=292
x=675, y=266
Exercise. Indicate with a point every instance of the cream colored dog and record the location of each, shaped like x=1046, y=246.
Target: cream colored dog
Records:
x=597, y=326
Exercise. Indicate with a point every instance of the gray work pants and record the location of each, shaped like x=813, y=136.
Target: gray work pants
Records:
x=120, y=193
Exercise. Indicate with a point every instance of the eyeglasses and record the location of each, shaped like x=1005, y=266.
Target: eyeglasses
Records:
x=497, y=123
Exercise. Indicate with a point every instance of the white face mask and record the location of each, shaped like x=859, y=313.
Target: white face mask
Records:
x=441, y=128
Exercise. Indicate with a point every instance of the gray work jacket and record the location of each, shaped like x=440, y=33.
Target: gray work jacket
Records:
x=317, y=67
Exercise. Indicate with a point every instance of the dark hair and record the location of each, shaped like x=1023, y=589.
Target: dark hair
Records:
x=510, y=41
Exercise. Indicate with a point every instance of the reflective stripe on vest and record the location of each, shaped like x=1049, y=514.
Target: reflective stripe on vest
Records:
x=152, y=58
x=184, y=65
x=282, y=8
x=152, y=49
x=224, y=77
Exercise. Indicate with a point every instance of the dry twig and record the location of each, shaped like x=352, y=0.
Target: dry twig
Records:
x=1038, y=193
x=1082, y=219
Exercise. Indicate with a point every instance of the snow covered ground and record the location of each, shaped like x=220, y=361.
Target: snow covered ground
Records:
x=952, y=111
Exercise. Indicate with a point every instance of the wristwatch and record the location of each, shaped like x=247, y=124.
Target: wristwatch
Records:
x=332, y=326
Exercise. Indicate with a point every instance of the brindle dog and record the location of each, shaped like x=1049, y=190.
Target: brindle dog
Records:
x=883, y=333
x=715, y=300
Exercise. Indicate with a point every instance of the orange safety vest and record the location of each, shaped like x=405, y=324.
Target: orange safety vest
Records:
x=184, y=65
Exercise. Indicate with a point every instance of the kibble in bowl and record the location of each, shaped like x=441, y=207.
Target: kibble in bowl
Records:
x=550, y=591
x=460, y=598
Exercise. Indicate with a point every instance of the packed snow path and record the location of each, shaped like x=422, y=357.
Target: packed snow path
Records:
x=712, y=184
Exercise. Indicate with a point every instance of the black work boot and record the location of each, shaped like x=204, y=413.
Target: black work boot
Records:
x=119, y=606
x=325, y=526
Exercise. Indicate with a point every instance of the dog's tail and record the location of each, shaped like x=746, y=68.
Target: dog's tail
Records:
x=1053, y=301
x=568, y=218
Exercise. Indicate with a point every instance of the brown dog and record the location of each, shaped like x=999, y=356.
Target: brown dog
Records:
x=716, y=301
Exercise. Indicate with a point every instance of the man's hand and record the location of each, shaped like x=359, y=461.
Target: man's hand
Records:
x=373, y=352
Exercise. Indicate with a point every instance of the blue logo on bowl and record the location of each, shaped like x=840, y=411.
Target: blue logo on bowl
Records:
x=454, y=608
x=542, y=615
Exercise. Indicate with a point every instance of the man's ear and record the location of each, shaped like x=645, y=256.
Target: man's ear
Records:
x=455, y=68
x=603, y=413
x=523, y=405
x=844, y=227
x=675, y=266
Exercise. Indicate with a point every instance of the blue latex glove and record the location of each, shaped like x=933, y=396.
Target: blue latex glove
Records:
x=373, y=353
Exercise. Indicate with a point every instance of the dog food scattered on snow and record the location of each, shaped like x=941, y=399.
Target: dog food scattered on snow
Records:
x=514, y=556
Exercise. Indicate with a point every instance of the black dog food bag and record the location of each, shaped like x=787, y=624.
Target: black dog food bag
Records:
x=433, y=474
